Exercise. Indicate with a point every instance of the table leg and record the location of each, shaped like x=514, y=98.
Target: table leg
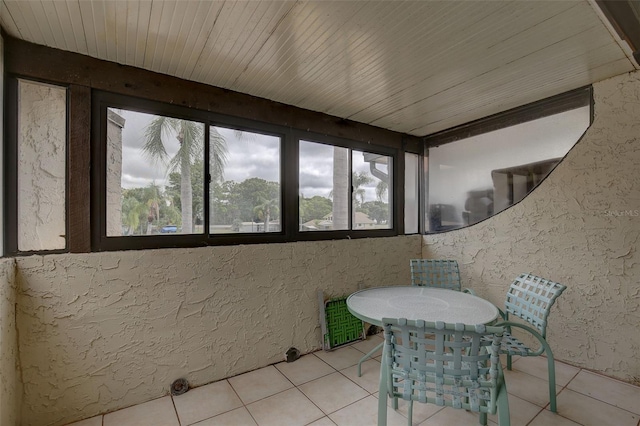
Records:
x=367, y=356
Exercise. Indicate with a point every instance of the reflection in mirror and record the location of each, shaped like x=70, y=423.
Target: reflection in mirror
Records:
x=474, y=178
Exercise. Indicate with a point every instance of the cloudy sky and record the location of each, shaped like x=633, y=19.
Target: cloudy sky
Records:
x=252, y=155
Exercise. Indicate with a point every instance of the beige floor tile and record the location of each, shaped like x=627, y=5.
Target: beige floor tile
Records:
x=305, y=369
x=537, y=366
x=238, y=417
x=340, y=358
x=159, y=412
x=325, y=421
x=521, y=412
x=289, y=408
x=93, y=421
x=365, y=413
x=547, y=418
x=528, y=387
x=206, y=401
x=607, y=390
x=591, y=412
x=370, y=379
x=259, y=384
x=450, y=416
x=333, y=392
x=367, y=345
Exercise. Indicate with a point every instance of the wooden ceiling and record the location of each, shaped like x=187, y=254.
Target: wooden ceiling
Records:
x=415, y=67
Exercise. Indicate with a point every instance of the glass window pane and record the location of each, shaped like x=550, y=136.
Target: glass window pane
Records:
x=155, y=174
x=411, y=195
x=245, y=186
x=42, y=142
x=324, y=187
x=474, y=178
x=371, y=196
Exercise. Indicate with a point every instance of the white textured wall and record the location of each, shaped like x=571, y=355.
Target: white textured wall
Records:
x=10, y=389
x=42, y=142
x=115, y=123
x=1, y=141
x=580, y=227
x=104, y=331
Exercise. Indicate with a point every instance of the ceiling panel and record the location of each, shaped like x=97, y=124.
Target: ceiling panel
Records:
x=412, y=66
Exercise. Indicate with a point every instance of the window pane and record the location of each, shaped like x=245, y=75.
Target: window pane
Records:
x=245, y=182
x=42, y=142
x=324, y=187
x=372, y=185
x=474, y=178
x=411, y=197
x=155, y=174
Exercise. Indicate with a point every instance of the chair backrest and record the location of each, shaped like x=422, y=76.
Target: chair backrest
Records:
x=453, y=365
x=435, y=273
x=530, y=297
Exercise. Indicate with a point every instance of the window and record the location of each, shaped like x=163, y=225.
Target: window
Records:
x=245, y=181
x=483, y=168
x=154, y=174
x=343, y=189
x=411, y=193
x=169, y=176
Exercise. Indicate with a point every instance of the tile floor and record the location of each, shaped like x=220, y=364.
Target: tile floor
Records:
x=323, y=389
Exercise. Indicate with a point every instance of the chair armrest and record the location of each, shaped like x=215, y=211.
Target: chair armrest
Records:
x=503, y=314
x=544, y=346
x=468, y=290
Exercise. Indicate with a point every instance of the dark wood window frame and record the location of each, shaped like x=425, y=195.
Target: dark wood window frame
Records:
x=83, y=76
x=289, y=171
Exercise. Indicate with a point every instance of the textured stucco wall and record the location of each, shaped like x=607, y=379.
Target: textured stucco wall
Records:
x=103, y=331
x=580, y=227
x=10, y=389
x=42, y=145
x=115, y=123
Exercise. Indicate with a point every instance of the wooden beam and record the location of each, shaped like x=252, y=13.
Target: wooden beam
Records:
x=58, y=66
x=78, y=170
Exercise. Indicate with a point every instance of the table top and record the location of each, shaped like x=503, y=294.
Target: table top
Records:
x=426, y=303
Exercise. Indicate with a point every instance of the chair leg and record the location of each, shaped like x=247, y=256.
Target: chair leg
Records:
x=483, y=419
x=382, y=394
x=509, y=362
x=504, y=418
x=367, y=356
x=410, y=413
x=552, y=380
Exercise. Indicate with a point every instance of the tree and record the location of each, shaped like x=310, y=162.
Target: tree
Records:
x=381, y=189
x=315, y=207
x=190, y=136
x=265, y=209
x=376, y=210
x=358, y=180
x=131, y=210
x=173, y=190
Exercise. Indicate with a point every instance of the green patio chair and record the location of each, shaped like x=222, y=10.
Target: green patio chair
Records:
x=452, y=365
x=530, y=298
x=436, y=273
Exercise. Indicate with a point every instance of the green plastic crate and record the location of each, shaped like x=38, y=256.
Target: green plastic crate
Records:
x=338, y=326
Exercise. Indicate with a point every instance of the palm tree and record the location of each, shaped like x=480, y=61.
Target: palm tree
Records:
x=190, y=136
x=358, y=180
x=381, y=189
x=265, y=209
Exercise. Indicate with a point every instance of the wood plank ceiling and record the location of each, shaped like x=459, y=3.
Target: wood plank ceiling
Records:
x=416, y=67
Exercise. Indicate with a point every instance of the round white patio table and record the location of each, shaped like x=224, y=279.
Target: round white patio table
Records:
x=415, y=302
x=425, y=303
